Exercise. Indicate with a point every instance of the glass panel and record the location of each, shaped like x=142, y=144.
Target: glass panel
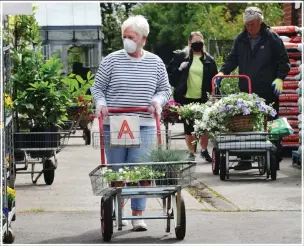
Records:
x=86, y=34
x=60, y=35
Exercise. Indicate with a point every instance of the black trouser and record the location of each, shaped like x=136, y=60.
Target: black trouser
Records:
x=189, y=126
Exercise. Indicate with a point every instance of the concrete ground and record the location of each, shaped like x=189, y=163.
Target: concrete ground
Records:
x=244, y=209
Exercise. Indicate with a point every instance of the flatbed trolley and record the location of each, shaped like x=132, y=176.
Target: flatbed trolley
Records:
x=258, y=147
x=32, y=148
x=168, y=188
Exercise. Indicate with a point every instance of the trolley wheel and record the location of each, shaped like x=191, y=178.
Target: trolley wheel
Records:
x=180, y=231
x=49, y=175
x=215, y=161
x=223, y=171
x=273, y=167
x=87, y=136
x=106, y=211
x=9, y=238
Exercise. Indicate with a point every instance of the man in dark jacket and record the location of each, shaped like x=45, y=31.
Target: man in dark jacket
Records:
x=260, y=54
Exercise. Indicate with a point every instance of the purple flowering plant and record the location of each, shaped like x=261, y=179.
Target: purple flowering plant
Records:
x=217, y=116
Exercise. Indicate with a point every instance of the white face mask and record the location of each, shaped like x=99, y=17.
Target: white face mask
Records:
x=129, y=45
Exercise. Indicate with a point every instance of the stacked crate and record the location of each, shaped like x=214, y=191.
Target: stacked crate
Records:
x=292, y=39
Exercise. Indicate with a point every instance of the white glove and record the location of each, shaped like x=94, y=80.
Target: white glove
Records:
x=101, y=110
x=183, y=65
x=155, y=107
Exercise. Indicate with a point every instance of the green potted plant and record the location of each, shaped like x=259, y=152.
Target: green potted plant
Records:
x=132, y=176
x=161, y=154
x=38, y=91
x=148, y=174
x=115, y=178
x=45, y=106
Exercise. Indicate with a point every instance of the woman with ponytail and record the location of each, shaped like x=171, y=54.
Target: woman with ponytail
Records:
x=190, y=73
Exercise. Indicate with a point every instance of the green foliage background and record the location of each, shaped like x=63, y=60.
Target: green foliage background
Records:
x=171, y=23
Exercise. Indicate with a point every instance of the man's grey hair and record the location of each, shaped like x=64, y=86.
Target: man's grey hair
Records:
x=138, y=24
x=253, y=13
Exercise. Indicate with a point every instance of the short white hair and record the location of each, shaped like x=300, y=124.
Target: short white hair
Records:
x=138, y=24
x=253, y=13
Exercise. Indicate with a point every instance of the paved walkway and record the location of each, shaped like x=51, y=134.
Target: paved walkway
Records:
x=67, y=211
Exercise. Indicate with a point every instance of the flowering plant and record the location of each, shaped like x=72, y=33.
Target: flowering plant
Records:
x=169, y=112
x=216, y=117
x=191, y=112
x=132, y=176
x=11, y=194
x=8, y=104
x=111, y=175
x=147, y=173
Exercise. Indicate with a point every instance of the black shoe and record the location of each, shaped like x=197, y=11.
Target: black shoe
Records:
x=205, y=155
x=243, y=165
x=191, y=157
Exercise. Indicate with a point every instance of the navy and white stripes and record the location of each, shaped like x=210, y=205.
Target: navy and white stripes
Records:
x=122, y=81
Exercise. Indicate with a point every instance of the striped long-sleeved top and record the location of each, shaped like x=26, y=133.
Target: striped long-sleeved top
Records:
x=123, y=81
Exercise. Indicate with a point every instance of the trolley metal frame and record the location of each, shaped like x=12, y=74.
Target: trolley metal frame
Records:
x=111, y=207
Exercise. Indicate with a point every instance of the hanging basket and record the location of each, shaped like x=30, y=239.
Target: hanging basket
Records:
x=241, y=123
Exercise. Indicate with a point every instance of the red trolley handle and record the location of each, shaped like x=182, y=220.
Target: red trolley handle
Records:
x=124, y=110
x=231, y=76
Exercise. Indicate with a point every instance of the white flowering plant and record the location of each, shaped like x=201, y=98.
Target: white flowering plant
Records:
x=147, y=173
x=191, y=112
x=111, y=175
x=132, y=175
x=217, y=116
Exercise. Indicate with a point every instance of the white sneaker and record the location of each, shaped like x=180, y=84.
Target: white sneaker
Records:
x=123, y=222
x=139, y=225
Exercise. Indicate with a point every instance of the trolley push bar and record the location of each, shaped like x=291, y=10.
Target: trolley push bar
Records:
x=124, y=110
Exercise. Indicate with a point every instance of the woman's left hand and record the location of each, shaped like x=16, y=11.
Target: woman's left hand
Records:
x=155, y=107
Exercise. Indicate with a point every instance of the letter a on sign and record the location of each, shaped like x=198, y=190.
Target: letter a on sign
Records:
x=125, y=129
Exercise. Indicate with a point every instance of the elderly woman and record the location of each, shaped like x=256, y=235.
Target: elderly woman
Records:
x=190, y=73
x=132, y=77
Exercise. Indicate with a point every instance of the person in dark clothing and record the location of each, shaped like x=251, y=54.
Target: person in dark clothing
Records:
x=190, y=73
x=261, y=55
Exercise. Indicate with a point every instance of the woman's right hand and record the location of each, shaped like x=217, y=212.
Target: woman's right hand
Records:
x=101, y=110
x=183, y=65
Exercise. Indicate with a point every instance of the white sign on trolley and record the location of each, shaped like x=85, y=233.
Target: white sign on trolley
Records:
x=125, y=131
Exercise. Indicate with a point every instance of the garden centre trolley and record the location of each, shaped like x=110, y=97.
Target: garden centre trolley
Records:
x=259, y=147
x=167, y=188
x=79, y=119
x=33, y=148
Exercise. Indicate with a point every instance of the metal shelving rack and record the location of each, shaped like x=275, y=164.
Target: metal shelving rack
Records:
x=8, y=172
